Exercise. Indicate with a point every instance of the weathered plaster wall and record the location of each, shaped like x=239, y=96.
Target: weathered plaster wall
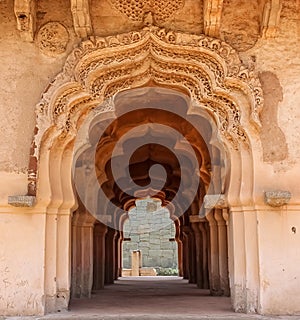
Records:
x=278, y=168
x=21, y=263
x=278, y=63
x=25, y=73
x=279, y=256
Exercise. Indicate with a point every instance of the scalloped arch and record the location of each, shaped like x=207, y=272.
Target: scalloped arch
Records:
x=208, y=69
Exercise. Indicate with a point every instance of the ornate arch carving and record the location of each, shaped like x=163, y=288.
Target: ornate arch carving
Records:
x=207, y=69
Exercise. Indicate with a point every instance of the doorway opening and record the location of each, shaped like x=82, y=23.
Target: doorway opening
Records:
x=149, y=245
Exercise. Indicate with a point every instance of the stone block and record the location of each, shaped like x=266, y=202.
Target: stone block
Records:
x=277, y=198
x=215, y=201
x=21, y=201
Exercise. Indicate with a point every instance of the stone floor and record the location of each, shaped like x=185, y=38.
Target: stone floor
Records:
x=146, y=298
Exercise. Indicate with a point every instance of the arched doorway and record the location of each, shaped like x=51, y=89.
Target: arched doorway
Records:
x=218, y=89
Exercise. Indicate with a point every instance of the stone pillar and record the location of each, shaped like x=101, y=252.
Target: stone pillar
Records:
x=192, y=254
x=214, y=254
x=199, y=254
x=185, y=255
x=109, y=256
x=99, y=256
x=178, y=239
x=205, y=271
x=120, y=250
x=135, y=263
x=82, y=254
x=50, y=261
x=63, y=260
x=180, y=256
x=117, y=255
x=223, y=251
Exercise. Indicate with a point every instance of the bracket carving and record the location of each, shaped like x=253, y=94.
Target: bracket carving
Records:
x=271, y=18
x=81, y=18
x=212, y=17
x=25, y=12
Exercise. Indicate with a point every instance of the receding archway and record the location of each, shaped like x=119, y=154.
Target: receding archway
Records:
x=219, y=89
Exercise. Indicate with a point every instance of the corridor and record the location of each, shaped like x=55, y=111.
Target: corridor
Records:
x=151, y=298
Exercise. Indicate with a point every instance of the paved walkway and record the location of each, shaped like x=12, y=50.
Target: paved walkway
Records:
x=146, y=298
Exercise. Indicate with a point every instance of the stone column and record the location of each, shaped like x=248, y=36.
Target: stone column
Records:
x=199, y=254
x=185, y=255
x=99, y=256
x=83, y=254
x=50, y=261
x=121, y=253
x=63, y=260
x=180, y=256
x=223, y=251
x=109, y=256
x=204, y=255
x=214, y=254
x=117, y=255
x=191, y=254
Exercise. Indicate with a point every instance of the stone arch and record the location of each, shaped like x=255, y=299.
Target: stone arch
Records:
x=207, y=70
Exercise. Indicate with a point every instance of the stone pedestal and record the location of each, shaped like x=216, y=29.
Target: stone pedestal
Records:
x=136, y=259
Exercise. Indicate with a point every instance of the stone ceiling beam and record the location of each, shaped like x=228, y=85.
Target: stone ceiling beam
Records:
x=25, y=12
x=271, y=18
x=212, y=17
x=81, y=18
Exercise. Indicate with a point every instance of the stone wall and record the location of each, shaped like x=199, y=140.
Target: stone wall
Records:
x=150, y=230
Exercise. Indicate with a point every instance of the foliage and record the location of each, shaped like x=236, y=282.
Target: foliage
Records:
x=166, y=271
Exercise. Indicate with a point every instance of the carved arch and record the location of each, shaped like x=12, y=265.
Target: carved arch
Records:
x=207, y=69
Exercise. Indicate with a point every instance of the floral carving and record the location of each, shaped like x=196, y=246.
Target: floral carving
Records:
x=53, y=38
